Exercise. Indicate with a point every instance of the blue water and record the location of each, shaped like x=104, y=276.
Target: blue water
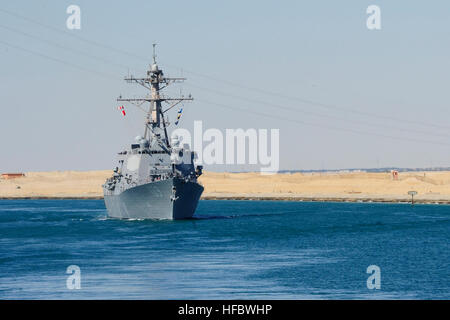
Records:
x=232, y=250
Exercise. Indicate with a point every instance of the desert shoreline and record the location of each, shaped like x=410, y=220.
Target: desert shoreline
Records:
x=433, y=187
x=245, y=198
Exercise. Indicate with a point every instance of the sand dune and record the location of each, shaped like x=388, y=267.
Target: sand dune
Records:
x=431, y=186
x=57, y=184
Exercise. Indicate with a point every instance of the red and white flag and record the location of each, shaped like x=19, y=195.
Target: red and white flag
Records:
x=122, y=109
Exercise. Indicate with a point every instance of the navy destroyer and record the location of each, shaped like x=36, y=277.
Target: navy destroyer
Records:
x=155, y=178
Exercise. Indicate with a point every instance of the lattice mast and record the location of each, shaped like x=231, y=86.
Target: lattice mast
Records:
x=155, y=81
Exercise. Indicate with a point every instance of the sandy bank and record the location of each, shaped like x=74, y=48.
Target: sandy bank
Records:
x=432, y=187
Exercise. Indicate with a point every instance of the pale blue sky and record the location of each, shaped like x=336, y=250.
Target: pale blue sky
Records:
x=353, y=97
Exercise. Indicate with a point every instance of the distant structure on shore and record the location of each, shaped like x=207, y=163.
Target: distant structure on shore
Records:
x=8, y=176
x=387, y=169
x=394, y=174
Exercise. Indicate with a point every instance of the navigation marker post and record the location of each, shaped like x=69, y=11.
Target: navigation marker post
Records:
x=412, y=194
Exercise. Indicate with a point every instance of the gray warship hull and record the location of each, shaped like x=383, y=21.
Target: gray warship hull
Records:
x=155, y=200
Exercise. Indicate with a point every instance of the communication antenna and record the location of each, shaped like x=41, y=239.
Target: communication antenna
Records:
x=154, y=52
